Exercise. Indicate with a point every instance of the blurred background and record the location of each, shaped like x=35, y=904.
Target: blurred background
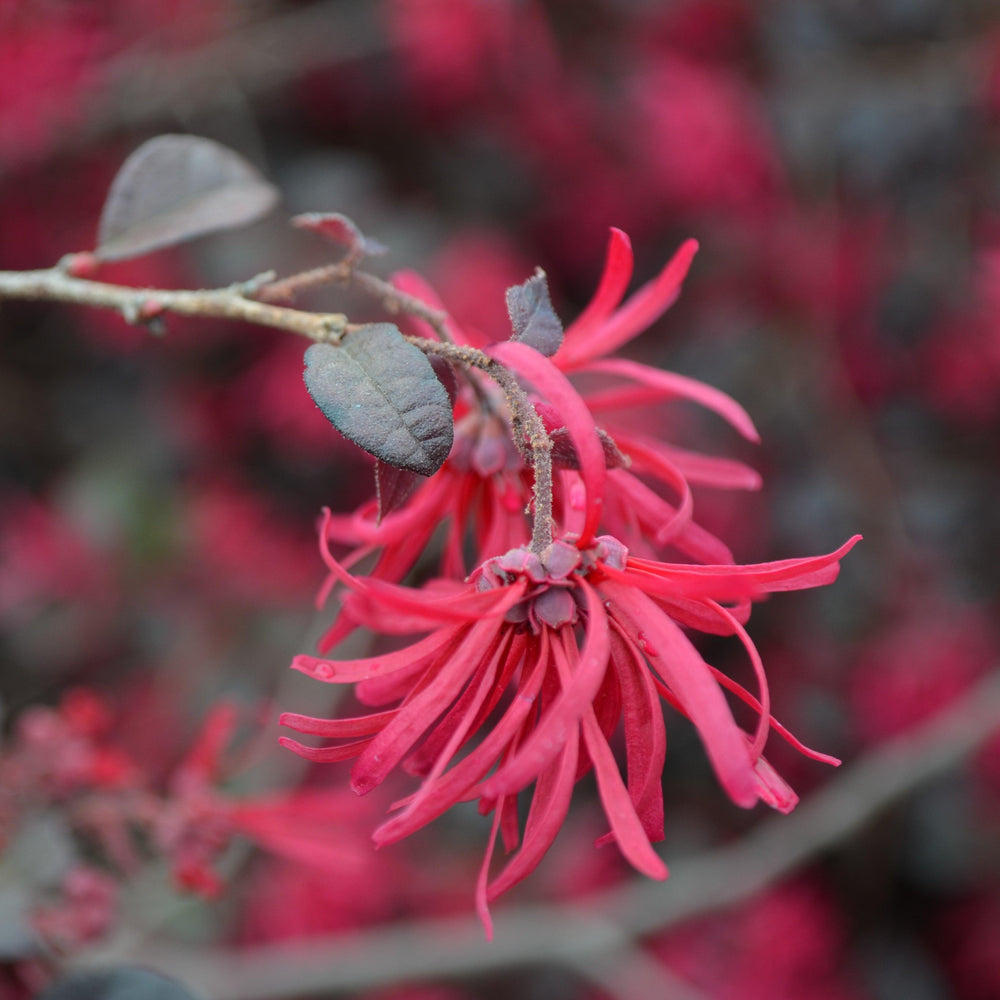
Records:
x=839, y=163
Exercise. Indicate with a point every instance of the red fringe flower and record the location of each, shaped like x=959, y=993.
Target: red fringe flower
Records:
x=540, y=658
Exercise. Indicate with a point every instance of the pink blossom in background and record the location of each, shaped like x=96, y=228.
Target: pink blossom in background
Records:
x=788, y=943
x=245, y=550
x=920, y=662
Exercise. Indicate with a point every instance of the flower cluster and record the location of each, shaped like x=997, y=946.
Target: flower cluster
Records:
x=529, y=664
x=481, y=493
x=96, y=809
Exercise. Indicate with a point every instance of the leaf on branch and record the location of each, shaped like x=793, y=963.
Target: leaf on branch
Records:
x=532, y=317
x=340, y=229
x=176, y=187
x=446, y=376
x=393, y=487
x=382, y=393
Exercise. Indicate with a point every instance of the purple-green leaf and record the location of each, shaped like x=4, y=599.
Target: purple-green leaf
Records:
x=393, y=487
x=176, y=187
x=382, y=393
x=532, y=317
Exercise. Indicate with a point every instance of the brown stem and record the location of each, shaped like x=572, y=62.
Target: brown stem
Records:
x=392, y=299
x=396, y=301
x=526, y=423
x=286, y=289
x=139, y=305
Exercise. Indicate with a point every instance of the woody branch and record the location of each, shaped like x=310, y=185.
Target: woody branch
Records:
x=241, y=301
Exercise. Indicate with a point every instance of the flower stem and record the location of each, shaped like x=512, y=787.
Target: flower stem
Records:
x=526, y=423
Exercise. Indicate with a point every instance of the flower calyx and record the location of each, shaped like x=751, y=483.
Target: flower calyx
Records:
x=555, y=599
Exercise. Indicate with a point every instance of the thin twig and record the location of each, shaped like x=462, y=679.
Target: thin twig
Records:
x=394, y=300
x=139, y=305
x=287, y=289
x=608, y=922
x=527, y=423
x=146, y=305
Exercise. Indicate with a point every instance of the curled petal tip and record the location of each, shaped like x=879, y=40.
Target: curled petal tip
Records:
x=620, y=236
x=483, y=912
x=320, y=670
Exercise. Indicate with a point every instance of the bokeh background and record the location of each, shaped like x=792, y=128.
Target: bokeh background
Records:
x=839, y=162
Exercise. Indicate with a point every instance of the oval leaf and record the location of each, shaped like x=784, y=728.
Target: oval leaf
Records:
x=382, y=393
x=532, y=317
x=176, y=187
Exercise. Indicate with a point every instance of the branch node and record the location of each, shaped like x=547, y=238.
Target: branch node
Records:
x=79, y=265
x=332, y=330
x=251, y=287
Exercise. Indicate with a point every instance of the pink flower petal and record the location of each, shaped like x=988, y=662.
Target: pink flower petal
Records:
x=549, y=806
x=563, y=718
x=625, y=824
x=691, y=681
x=745, y=696
x=673, y=386
x=708, y=470
x=418, y=713
x=396, y=610
x=695, y=614
x=638, y=312
x=394, y=687
x=614, y=281
x=558, y=390
x=637, y=504
x=729, y=583
x=417, y=608
x=336, y=728
x=645, y=734
x=482, y=902
x=348, y=671
x=652, y=461
x=760, y=737
x=324, y=755
x=773, y=789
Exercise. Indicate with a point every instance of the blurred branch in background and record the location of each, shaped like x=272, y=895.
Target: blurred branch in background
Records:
x=139, y=88
x=597, y=936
